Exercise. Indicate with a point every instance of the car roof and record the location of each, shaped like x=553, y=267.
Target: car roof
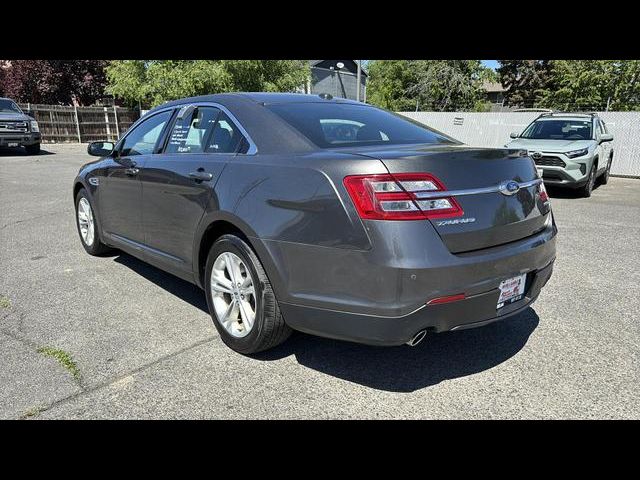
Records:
x=268, y=131
x=563, y=117
x=271, y=98
x=264, y=98
x=555, y=115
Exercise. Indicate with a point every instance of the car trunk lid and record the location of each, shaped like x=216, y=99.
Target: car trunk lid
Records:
x=492, y=216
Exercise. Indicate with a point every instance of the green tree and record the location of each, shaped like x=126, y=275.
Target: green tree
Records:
x=526, y=81
x=267, y=75
x=152, y=82
x=593, y=85
x=447, y=85
x=443, y=85
x=127, y=79
x=388, y=82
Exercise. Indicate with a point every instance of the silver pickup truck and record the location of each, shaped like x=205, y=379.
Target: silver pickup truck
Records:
x=17, y=129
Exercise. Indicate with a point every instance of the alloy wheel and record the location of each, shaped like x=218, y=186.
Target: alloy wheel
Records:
x=233, y=294
x=85, y=221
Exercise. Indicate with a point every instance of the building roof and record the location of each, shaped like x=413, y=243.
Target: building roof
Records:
x=492, y=87
x=350, y=65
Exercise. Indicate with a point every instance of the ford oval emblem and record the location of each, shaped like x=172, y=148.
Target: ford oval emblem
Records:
x=509, y=187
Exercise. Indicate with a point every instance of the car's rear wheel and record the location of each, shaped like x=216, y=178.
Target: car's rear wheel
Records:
x=32, y=149
x=87, y=225
x=240, y=298
x=605, y=176
x=588, y=187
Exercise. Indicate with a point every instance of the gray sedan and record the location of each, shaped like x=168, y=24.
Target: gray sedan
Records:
x=322, y=215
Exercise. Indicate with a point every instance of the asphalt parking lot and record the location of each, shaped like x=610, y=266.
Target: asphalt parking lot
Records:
x=111, y=337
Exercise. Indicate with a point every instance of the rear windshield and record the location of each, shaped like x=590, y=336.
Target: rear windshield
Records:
x=559, y=130
x=331, y=125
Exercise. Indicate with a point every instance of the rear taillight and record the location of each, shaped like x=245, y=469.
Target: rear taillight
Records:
x=542, y=192
x=393, y=197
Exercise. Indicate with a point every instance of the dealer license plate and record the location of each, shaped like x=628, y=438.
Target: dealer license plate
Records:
x=511, y=290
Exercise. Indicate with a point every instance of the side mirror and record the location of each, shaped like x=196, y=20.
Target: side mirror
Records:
x=101, y=149
x=606, y=137
x=514, y=135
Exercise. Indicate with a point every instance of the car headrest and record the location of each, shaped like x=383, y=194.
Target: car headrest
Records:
x=368, y=133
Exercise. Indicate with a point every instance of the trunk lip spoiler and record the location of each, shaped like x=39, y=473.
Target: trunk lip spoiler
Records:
x=476, y=191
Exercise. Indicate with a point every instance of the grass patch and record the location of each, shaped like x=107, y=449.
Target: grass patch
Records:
x=32, y=412
x=63, y=359
x=4, y=301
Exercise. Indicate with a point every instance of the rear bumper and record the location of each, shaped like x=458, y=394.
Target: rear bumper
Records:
x=475, y=311
x=379, y=296
x=21, y=139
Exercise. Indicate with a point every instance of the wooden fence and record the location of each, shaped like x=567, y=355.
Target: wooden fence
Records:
x=59, y=124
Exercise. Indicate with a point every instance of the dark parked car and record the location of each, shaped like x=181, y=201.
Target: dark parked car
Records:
x=17, y=129
x=322, y=215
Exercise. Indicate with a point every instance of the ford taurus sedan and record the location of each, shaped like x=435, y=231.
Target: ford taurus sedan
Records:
x=323, y=215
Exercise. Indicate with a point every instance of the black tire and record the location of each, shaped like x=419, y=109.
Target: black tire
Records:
x=605, y=176
x=588, y=187
x=97, y=247
x=269, y=328
x=32, y=149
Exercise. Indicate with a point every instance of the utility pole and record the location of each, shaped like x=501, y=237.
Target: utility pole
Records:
x=359, y=62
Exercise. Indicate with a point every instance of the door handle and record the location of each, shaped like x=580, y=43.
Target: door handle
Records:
x=132, y=171
x=201, y=176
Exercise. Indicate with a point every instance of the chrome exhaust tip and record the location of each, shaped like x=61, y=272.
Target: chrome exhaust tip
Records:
x=417, y=338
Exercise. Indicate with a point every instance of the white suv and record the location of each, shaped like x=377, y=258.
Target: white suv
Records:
x=570, y=149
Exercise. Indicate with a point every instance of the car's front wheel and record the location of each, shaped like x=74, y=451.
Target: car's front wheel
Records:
x=240, y=298
x=588, y=187
x=87, y=225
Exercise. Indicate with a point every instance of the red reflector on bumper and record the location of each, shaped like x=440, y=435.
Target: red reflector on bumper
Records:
x=447, y=299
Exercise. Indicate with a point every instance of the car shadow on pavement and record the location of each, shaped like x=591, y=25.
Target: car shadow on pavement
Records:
x=559, y=192
x=180, y=288
x=21, y=152
x=439, y=357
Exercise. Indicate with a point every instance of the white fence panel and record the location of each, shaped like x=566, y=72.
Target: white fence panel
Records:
x=492, y=129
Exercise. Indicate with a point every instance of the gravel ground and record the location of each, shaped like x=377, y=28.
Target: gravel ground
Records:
x=146, y=348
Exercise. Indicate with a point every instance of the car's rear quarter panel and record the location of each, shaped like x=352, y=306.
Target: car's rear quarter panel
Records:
x=288, y=203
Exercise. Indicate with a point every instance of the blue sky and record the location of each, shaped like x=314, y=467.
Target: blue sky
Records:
x=490, y=63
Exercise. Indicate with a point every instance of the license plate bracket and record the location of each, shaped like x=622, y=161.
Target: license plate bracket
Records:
x=511, y=290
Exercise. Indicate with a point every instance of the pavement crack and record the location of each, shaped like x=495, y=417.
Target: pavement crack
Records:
x=141, y=368
x=17, y=222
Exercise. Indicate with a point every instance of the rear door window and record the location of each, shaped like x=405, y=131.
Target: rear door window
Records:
x=226, y=137
x=191, y=132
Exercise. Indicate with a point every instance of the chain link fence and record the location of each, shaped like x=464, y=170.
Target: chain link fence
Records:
x=60, y=124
